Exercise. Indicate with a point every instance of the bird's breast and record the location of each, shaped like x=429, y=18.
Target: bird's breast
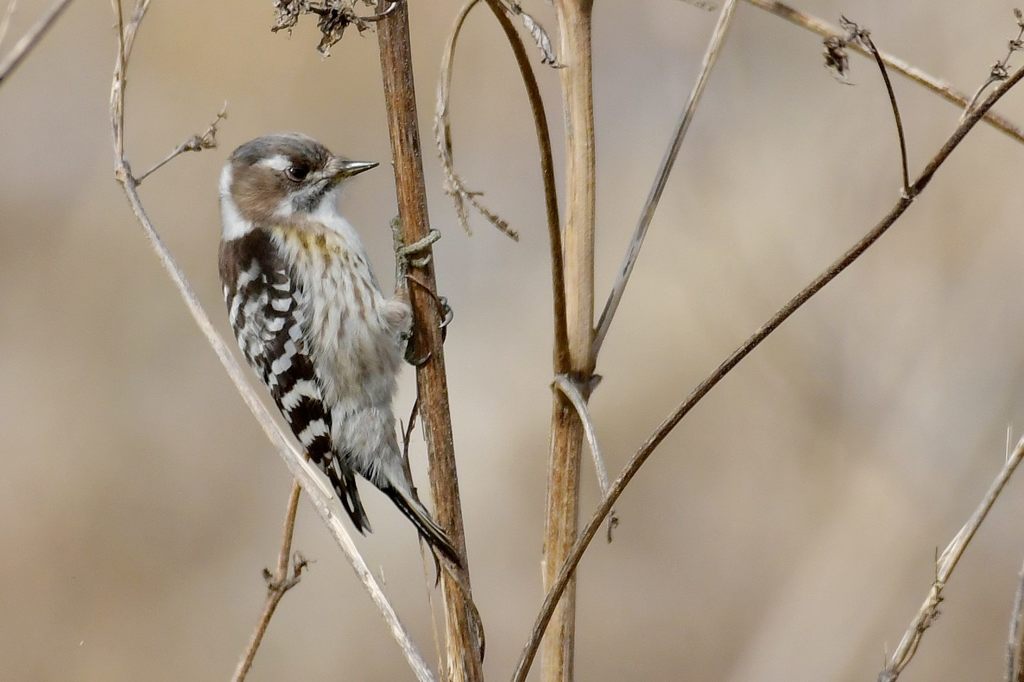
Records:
x=348, y=327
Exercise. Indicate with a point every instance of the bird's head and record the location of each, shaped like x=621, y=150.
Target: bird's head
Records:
x=281, y=176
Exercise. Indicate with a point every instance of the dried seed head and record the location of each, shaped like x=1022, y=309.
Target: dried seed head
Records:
x=837, y=61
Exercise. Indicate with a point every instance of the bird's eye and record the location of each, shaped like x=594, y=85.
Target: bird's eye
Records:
x=296, y=173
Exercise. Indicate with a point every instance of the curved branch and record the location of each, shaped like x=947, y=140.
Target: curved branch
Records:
x=702, y=389
x=547, y=171
x=442, y=133
x=454, y=186
x=895, y=112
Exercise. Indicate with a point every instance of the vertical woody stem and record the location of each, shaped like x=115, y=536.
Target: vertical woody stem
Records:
x=574, y=18
x=464, y=638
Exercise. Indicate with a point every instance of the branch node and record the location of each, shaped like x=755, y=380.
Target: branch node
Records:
x=837, y=62
x=941, y=88
x=196, y=143
x=944, y=564
x=1000, y=70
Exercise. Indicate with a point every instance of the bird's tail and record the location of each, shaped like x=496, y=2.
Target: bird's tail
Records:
x=414, y=510
x=344, y=483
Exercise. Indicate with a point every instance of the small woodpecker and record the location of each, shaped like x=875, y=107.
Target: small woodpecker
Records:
x=312, y=321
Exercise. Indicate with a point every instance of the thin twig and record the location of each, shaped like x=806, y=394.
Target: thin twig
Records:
x=1015, y=647
x=936, y=85
x=705, y=386
x=944, y=566
x=999, y=70
x=454, y=185
x=547, y=172
x=837, y=61
x=278, y=583
x=5, y=21
x=17, y=55
x=661, y=178
x=196, y=143
x=565, y=384
x=317, y=490
x=895, y=110
x=427, y=557
x=465, y=638
x=291, y=511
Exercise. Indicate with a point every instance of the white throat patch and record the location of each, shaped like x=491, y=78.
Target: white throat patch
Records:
x=327, y=214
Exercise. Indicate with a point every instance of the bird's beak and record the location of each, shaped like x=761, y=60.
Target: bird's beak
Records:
x=344, y=168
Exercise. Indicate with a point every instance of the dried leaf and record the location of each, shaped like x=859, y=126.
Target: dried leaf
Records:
x=837, y=61
x=538, y=33
x=286, y=14
x=333, y=17
x=540, y=37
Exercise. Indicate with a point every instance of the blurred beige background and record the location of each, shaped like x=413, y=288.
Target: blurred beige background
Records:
x=787, y=528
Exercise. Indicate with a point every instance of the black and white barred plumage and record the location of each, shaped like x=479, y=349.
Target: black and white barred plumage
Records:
x=311, y=320
x=266, y=312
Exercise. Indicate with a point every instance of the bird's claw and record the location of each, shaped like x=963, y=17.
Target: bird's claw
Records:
x=414, y=360
x=446, y=312
x=405, y=256
x=405, y=253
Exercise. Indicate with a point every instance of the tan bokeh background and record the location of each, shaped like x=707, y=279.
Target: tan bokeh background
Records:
x=785, y=531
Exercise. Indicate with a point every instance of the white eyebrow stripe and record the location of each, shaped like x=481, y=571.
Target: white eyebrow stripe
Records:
x=278, y=162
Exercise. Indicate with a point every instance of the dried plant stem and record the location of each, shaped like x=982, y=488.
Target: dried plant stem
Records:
x=1015, y=648
x=427, y=557
x=196, y=143
x=465, y=634
x=562, y=508
x=944, y=566
x=661, y=177
x=442, y=131
x=547, y=171
x=454, y=185
x=704, y=387
x=317, y=490
x=21, y=49
x=278, y=583
x=936, y=85
x=904, y=165
x=575, y=396
x=999, y=69
x=5, y=20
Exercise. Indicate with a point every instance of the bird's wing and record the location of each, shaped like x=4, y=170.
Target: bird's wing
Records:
x=267, y=313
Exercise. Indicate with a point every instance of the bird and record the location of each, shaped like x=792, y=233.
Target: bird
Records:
x=312, y=321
